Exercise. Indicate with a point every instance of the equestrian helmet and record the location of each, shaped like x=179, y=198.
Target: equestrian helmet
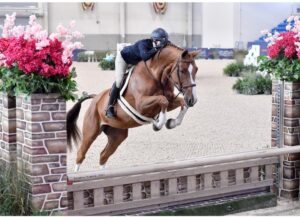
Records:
x=161, y=35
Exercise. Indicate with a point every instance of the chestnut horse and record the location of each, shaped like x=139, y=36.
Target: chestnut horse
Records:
x=150, y=91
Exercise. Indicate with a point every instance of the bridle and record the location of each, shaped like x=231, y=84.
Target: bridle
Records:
x=181, y=88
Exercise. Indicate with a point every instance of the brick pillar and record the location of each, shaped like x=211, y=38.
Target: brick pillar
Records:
x=8, y=129
x=41, y=139
x=291, y=129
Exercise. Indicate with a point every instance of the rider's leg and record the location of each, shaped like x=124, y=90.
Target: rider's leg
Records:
x=114, y=92
x=120, y=70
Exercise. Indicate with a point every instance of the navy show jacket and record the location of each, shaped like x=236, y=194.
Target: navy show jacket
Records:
x=141, y=50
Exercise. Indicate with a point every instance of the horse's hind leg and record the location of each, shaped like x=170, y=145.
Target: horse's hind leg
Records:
x=115, y=138
x=91, y=129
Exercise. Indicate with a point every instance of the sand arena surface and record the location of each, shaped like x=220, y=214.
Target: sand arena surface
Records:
x=222, y=122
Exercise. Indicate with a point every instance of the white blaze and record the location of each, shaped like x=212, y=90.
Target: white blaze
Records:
x=193, y=82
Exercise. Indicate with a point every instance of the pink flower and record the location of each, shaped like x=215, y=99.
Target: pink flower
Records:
x=61, y=30
x=53, y=36
x=40, y=45
x=18, y=31
x=77, y=34
x=78, y=45
x=285, y=42
x=33, y=51
x=32, y=20
x=72, y=24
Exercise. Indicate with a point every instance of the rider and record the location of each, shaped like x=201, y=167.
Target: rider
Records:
x=142, y=50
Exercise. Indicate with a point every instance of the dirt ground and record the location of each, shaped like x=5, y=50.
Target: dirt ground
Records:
x=221, y=122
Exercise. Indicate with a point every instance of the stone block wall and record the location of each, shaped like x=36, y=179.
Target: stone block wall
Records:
x=41, y=147
x=274, y=124
x=291, y=136
x=1, y=107
x=8, y=144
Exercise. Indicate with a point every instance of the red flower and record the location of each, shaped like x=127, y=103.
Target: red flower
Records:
x=46, y=62
x=285, y=44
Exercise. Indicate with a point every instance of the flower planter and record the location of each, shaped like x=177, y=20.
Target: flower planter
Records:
x=7, y=129
x=291, y=135
x=41, y=147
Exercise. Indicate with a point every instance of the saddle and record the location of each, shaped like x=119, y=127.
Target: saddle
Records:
x=132, y=112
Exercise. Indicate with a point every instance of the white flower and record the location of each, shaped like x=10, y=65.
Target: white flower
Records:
x=61, y=30
x=72, y=24
x=290, y=19
x=78, y=45
x=32, y=19
x=264, y=32
x=40, y=45
x=53, y=36
x=77, y=34
x=288, y=27
x=296, y=18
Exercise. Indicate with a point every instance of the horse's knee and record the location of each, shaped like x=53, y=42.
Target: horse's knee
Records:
x=163, y=101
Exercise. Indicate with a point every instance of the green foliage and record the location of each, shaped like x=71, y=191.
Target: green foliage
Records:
x=14, y=198
x=233, y=69
x=107, y=64
x=252, y=84
x=101, y=54
x=237, y=69
x=82, y=57
x=15, y=82
x=239, y=55
x=249, y=68
x=282, y=68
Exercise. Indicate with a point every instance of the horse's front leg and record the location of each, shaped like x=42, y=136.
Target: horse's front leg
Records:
x=149, y=103
x=172, y=123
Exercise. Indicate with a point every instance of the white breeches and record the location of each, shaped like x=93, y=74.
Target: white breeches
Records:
x=120, y=65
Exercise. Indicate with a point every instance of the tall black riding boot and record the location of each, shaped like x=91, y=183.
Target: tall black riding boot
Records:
x=114, y=93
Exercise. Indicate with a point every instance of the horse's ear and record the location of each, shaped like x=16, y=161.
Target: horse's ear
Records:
x=194, y=54
x=184, y=53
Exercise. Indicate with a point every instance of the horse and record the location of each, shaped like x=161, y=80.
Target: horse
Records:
x=150, y=91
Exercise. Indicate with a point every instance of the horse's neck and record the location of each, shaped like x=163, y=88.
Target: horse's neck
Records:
x=166, y=58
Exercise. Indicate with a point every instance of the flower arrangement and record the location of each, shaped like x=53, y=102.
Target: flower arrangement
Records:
x=283, y=60
x=31, y=61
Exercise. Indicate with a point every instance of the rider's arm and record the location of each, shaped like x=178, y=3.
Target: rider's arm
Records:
x=145, y=53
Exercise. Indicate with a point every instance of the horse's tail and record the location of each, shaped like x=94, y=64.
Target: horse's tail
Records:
x=72, y=116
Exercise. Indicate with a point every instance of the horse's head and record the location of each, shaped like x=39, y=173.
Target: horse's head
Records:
x=184, y=76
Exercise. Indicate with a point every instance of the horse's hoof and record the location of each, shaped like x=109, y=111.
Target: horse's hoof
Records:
x=76, y=168
x=171, y=123
x=155, y=128
x=102, y=167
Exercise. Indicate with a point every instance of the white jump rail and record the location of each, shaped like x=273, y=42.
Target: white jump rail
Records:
x=159, y=185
